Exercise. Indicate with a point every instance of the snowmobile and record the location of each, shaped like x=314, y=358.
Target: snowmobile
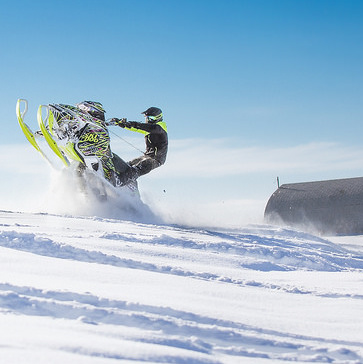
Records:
x=79, y=141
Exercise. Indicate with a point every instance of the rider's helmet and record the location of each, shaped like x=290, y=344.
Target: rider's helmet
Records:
x=92, y=108
x=153, y=115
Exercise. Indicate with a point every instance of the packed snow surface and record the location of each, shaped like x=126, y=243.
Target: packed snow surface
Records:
x=97, y=290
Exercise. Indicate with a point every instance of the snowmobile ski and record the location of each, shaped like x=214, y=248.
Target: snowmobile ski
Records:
x=26, y=129
x=48, y=137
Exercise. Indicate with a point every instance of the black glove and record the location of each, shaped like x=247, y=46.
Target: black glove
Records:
x=132, y=124
x=119, y=122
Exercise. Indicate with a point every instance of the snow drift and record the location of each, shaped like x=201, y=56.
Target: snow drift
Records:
x=99, y=290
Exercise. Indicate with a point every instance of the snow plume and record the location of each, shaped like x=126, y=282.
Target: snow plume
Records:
x=203, y=183
x=68, y=194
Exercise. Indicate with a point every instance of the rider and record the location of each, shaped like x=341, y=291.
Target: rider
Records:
x=156, y=139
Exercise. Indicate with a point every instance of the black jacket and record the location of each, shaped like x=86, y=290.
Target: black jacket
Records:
x=156, y=138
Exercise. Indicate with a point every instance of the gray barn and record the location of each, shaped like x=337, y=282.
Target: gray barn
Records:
x=328, y=207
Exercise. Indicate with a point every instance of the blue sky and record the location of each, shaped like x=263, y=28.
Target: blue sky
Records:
x=237, y=80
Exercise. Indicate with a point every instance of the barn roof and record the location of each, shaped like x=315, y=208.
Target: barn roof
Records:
x=333, y=206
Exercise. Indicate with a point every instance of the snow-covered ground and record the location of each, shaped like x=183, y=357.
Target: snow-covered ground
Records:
x=79, y=289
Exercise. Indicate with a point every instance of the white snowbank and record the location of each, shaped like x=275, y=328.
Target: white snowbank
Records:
x=98, y=290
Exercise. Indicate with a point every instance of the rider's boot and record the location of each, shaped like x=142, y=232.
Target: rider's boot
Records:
x=129, y=176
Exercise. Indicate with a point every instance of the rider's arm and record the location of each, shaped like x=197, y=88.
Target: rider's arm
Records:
x=143, y=127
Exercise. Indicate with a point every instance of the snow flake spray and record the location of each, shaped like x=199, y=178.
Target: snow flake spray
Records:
x=70, y=194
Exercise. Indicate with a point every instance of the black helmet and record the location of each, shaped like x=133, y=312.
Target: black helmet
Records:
x=92, y=108
x=153, y=114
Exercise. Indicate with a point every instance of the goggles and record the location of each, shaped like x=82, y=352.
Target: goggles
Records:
x=154, y=118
